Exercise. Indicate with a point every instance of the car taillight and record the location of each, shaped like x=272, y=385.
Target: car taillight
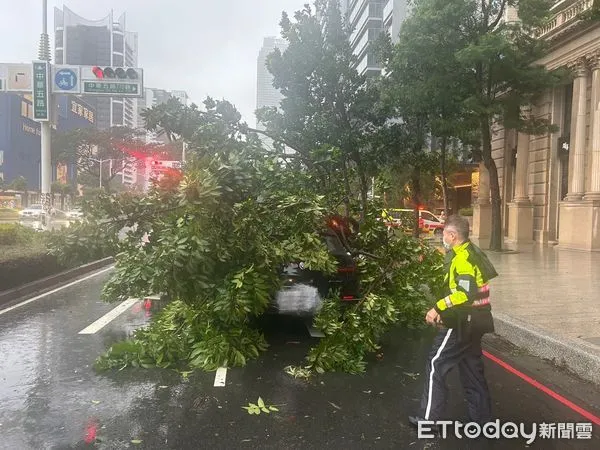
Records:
x=348, y=297
x=346, y=269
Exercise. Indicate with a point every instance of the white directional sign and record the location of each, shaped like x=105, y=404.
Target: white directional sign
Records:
x=66, y=80
x=16, y=78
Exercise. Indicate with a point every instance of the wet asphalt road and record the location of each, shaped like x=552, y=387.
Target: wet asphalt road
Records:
x=51, y=398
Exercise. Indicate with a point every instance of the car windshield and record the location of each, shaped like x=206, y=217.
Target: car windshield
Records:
x=429, y=216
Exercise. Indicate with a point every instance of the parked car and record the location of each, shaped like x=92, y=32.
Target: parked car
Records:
x=404, y=219
x=33, y=222
x=304, y=290
x=32, y=211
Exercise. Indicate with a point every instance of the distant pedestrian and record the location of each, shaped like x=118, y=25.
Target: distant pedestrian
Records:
x=463, y=316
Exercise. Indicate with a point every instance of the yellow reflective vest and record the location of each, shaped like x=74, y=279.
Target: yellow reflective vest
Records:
x=464, y=281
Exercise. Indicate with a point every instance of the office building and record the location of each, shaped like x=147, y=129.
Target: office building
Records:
x=20, y=136
x=266, y=94
x=104, y=42
x=368, y=19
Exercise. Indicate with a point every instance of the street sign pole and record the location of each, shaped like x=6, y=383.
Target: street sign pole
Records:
x=46, y=130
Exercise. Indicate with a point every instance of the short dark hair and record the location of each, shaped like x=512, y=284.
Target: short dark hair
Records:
x=460, y=224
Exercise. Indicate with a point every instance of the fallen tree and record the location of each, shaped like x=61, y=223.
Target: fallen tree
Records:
x=215, y=239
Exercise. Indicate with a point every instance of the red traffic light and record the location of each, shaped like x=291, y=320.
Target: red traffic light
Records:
x=97, y=71
x=115, y=73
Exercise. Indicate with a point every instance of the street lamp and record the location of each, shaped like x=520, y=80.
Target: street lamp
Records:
x=101, y=161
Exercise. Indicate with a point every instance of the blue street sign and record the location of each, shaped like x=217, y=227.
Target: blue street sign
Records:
x=65, y=79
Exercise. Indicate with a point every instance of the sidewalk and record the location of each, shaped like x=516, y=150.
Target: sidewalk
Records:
x=548, y=302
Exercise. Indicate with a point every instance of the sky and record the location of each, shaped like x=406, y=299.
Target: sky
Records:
x=204, y=47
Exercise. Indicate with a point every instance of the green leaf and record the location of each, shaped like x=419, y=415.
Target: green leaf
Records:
x=261, y=403
x=136, y=441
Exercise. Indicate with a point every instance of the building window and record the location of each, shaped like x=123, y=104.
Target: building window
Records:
x=26, y=109
x=566, y=133
x=117, y=43
x=117, y=60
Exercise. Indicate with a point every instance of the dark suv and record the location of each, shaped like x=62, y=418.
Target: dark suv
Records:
x=304, y=290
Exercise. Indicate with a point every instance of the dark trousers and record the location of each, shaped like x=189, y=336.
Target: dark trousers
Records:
x=446, y=353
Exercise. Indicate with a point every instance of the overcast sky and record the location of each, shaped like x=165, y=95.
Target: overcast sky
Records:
x=200, y=46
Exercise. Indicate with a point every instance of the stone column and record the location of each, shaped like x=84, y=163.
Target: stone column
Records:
x=578, y=128
x=522, y=172
x=578, y=221
x=482, y=211
x=594, y=192
x=520, y=210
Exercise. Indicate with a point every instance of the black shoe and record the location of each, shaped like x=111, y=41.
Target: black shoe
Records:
x=414, y=420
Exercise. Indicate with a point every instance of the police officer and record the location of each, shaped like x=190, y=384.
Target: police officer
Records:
x=463, y=316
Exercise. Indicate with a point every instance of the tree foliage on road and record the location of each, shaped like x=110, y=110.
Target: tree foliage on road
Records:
x=215, y=242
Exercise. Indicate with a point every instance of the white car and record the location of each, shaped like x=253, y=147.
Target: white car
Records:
x=33, y=211
x=75, y=214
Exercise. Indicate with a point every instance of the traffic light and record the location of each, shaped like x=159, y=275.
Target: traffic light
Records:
x=115, y=73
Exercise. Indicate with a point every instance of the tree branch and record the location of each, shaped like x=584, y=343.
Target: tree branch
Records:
x=495, y=23
x=277, y=138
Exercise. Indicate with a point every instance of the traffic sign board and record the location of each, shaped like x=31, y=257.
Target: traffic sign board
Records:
x=89, y=80
x=120, y=89
x=41, y=109
x=112, y=81
x=66, y=79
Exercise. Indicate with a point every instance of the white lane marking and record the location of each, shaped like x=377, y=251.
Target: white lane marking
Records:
x=220, y=377
x=109, y=316
x=45, y=294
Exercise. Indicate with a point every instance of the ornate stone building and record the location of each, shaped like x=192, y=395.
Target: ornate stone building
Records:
x=550, y=184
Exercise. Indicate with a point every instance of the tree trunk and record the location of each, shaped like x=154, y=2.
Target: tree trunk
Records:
x=364, y=187
x=443, y=150
x=416, y=199
x=346, y=188
x=490, y=165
